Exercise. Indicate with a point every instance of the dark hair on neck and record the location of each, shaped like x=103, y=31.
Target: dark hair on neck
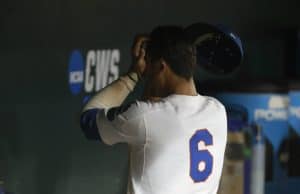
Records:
x=171, y=44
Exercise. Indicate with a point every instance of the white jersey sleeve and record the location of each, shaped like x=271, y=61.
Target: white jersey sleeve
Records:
x=124, y=125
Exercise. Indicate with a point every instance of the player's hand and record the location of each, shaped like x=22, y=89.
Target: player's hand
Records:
x=138, y=55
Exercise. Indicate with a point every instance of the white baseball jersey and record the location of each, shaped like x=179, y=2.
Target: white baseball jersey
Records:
x=177, y=144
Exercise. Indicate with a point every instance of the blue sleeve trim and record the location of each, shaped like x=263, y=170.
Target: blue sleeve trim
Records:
x=88, y=123
x=114, y=112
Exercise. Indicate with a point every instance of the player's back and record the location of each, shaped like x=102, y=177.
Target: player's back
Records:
x=184, y=149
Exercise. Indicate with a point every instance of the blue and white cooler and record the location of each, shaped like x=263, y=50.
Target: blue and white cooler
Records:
x=290, y=148
x=261, y=114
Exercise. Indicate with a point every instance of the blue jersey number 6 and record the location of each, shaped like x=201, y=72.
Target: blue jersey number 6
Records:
x=201, y=159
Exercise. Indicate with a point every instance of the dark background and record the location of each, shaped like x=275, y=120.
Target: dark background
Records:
x=42, y=150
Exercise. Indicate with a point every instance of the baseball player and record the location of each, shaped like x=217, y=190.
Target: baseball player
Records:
x=176, y=136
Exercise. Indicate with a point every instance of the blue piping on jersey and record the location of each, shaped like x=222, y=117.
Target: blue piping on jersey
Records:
x=88, y=124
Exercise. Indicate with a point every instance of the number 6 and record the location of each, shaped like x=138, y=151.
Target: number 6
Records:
x=201, y=162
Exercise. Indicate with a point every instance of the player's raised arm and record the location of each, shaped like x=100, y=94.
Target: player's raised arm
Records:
x=114, y=94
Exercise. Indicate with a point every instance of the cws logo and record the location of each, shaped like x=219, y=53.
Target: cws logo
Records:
x=95, y=71
x=277, y=110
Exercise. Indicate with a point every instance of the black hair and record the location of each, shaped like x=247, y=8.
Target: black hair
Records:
x=172, y=44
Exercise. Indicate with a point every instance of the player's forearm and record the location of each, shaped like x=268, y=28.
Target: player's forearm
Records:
x=111, y=96
x=114, y=94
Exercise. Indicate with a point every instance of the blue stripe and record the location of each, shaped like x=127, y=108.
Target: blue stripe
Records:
x=114, y=112
x=89, y=125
